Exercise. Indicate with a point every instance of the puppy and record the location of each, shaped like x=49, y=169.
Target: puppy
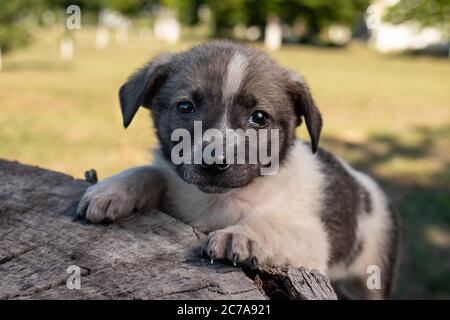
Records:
x=315, y=211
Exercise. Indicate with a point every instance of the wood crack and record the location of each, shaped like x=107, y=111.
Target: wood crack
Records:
x=18, y=254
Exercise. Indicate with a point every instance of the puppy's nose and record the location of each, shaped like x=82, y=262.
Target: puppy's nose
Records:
x=223, y=166
x=215, y=166
x=219, y=164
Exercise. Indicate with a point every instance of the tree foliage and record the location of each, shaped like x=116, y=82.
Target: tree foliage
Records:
x=13, y=31
x=315, y=14
x=428, y=13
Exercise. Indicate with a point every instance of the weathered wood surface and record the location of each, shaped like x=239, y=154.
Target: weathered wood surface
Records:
x=152, y=256
x=291, y=283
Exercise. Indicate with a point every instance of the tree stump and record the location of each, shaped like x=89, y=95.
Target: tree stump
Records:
x=151, y=256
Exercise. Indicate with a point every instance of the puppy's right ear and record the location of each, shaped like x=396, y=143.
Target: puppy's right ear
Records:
x=142, y=86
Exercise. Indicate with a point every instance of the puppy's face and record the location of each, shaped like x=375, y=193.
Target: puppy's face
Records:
x=223, y=86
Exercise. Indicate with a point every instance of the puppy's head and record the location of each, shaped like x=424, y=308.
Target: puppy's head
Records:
x=223, y=86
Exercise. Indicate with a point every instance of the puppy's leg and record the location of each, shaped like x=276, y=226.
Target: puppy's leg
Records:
x=121, y=195
x=271, y=240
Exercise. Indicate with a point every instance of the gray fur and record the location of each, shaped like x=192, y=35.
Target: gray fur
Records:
x=341, y=206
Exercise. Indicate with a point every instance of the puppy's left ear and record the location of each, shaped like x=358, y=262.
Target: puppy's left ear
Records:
x=305, y=107
x=141, y=87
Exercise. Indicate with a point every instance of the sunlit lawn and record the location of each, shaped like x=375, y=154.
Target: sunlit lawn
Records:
x=389, y=115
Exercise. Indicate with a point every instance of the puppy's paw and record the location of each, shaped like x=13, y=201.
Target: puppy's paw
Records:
x=235, y=246
x=106, y=202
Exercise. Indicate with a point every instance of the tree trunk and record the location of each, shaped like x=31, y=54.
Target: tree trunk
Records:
x=151, y=256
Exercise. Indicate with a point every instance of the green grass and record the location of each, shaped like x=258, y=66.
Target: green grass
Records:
x=388, y=115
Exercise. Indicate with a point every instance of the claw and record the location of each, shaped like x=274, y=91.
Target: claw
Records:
x=235, y=259
x=254, y=262
x=204, y=253
x=79, y=216
x=212, y=256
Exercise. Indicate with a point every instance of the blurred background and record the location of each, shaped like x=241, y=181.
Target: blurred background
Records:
x=379, y=71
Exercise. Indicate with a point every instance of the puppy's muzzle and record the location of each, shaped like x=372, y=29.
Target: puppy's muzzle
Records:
x=215, y=167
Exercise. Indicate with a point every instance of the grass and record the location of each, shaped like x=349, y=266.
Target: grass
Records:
x=388, y=115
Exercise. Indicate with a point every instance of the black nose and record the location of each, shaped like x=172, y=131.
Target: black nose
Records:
x=215, y=167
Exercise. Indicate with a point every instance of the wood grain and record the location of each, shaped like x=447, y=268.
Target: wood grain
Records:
x=151, y=256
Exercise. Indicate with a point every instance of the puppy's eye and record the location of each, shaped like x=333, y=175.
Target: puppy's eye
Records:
x=186, y=108
x=259, y=118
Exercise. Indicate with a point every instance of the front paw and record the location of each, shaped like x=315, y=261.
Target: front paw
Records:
x=235, y=246
x=106, y=202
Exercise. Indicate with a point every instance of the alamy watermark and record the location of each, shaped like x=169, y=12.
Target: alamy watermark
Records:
x=373, y=281
x=74, y=280
x=73, y=20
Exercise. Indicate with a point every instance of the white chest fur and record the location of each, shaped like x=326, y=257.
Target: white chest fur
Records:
x=295, y=192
